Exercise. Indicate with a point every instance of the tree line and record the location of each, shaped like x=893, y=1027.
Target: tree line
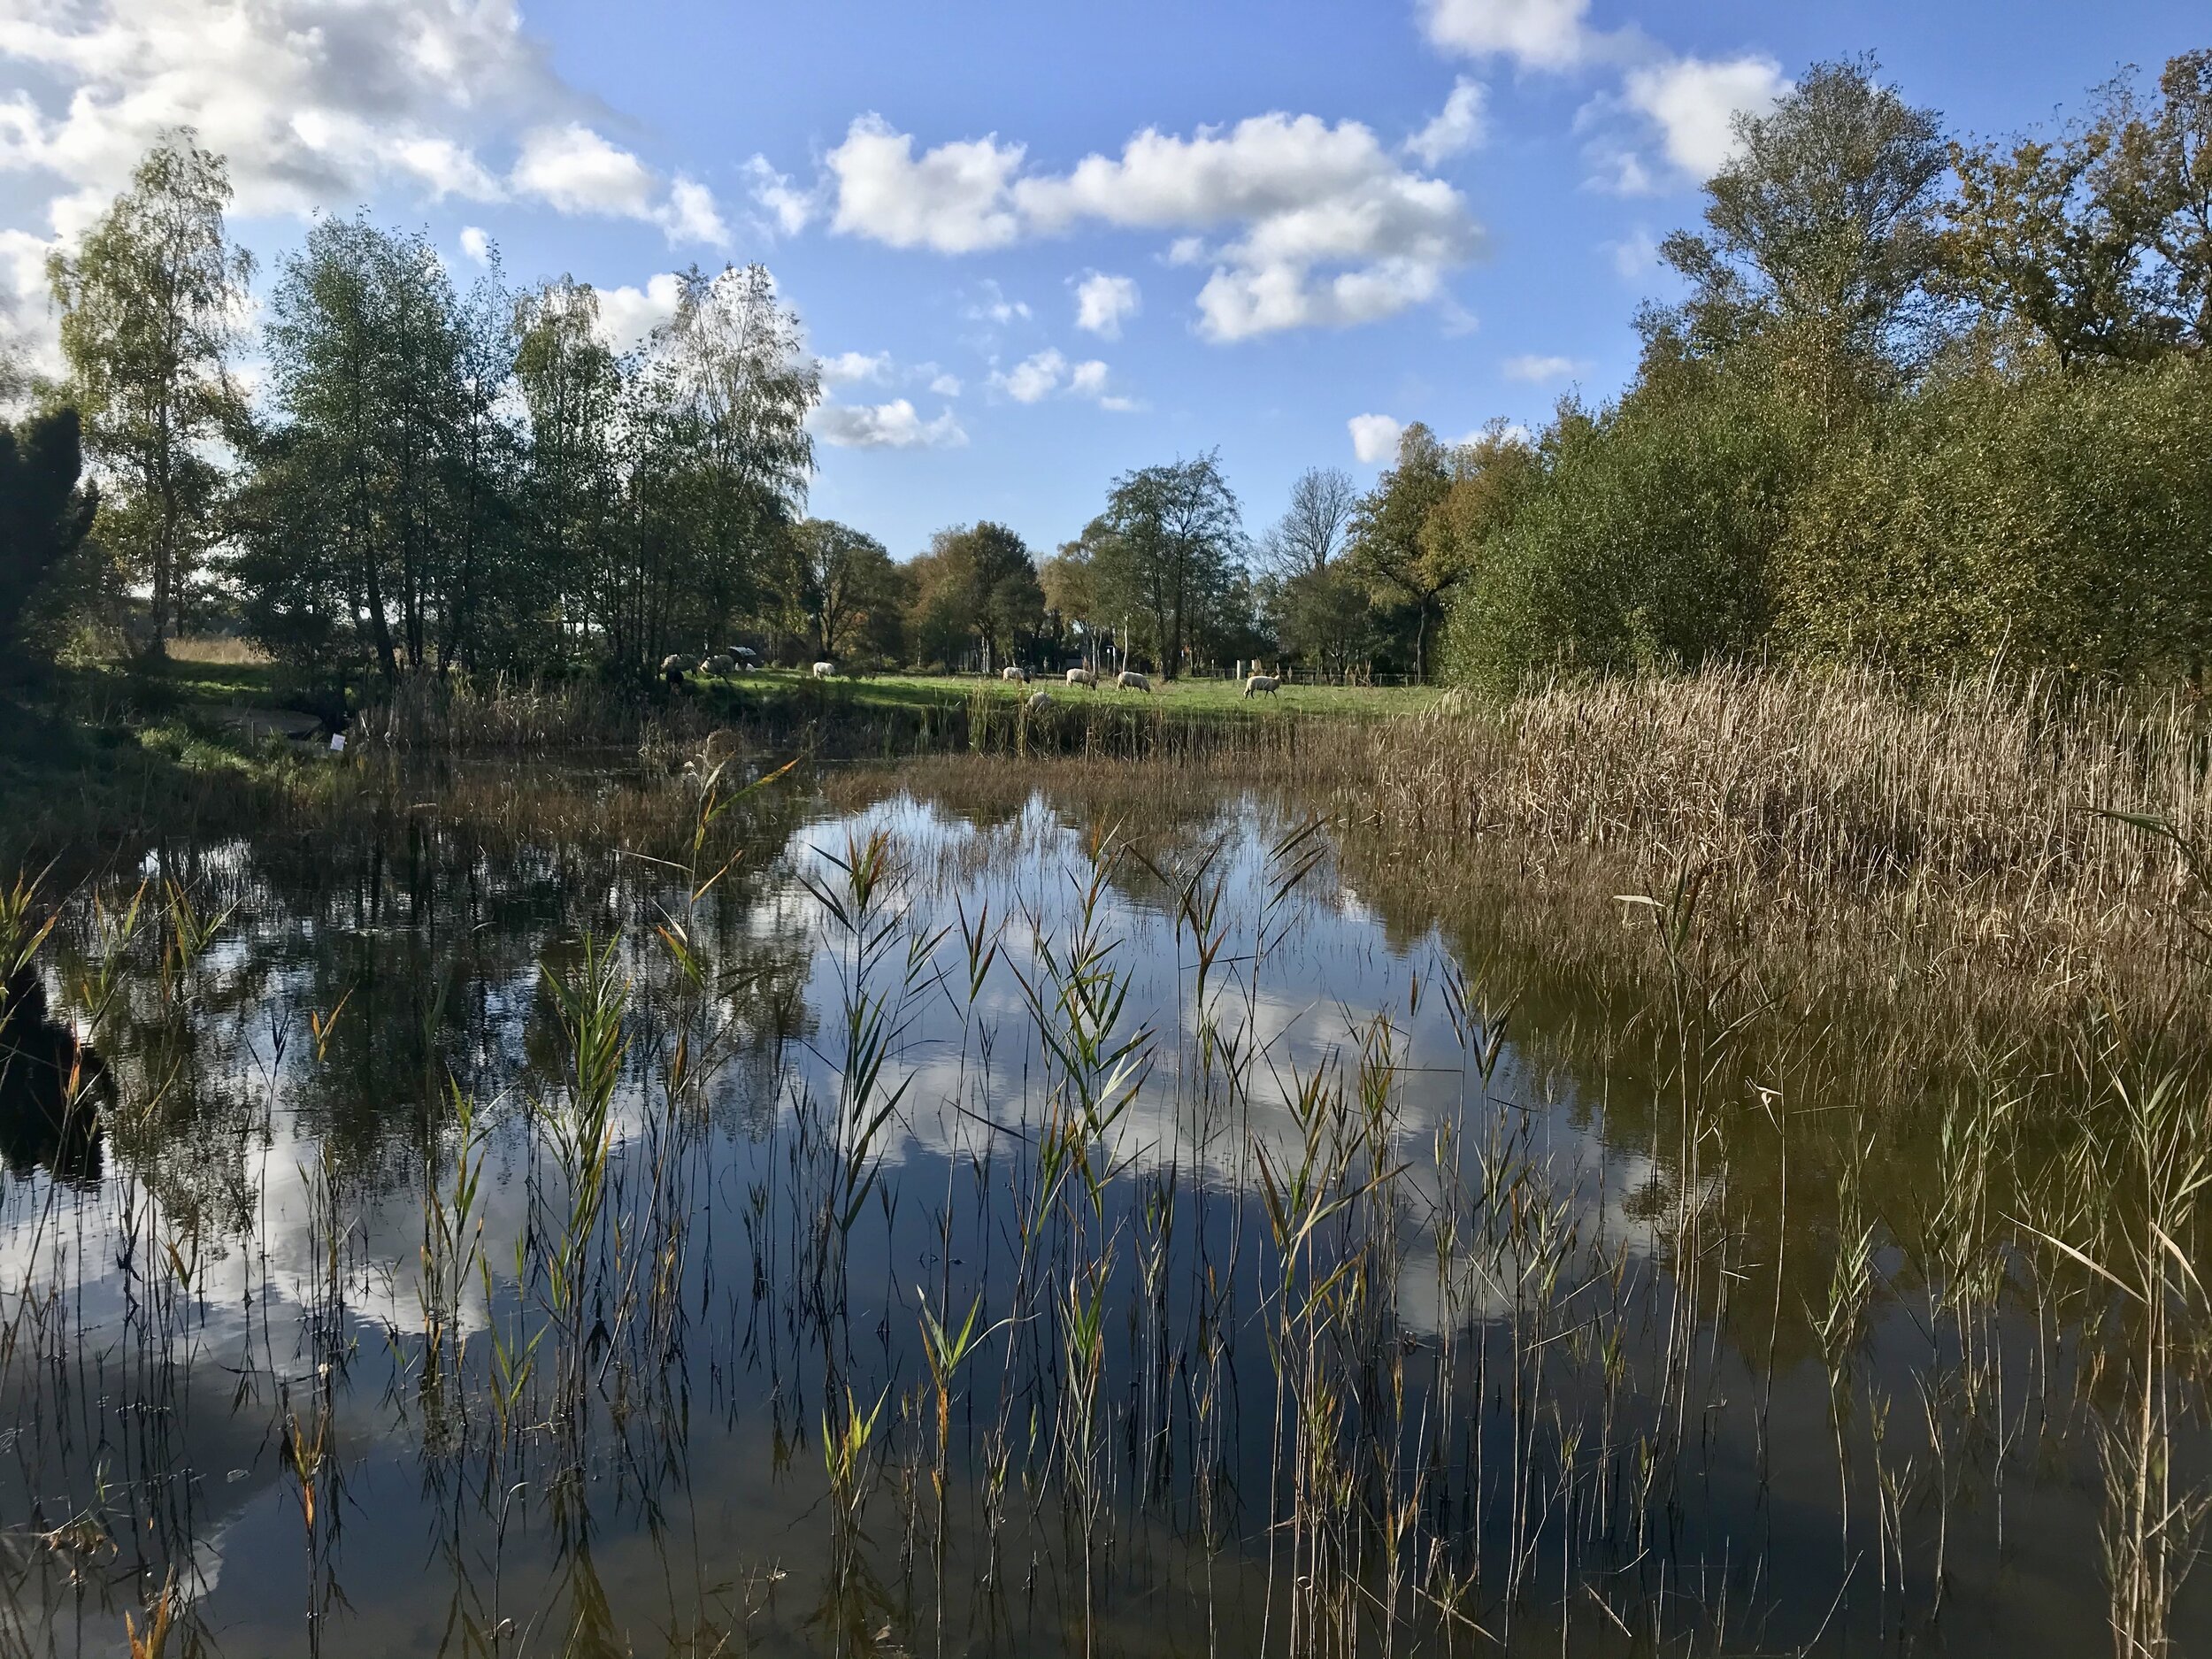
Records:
x=1926, y=401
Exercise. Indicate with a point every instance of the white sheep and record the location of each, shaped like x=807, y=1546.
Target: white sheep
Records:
x=721, y=663
x=1037, y=701
x=1082, y=677
x=1130, y=680
x=1254, y=684
x=1014, y=674
x=823, y=671
x=672, y=669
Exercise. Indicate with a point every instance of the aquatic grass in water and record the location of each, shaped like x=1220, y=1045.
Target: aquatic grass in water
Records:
x=1010, y=1226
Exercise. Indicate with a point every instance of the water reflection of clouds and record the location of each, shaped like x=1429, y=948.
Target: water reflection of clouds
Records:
x=1330, y=972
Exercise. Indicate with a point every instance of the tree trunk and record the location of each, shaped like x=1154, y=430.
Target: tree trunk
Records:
x=380, y=625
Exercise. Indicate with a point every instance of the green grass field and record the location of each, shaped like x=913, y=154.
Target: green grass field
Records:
x=1207, y=696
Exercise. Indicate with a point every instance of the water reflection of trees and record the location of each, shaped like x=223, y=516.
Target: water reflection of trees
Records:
x=363, y=969
x=52, y=1089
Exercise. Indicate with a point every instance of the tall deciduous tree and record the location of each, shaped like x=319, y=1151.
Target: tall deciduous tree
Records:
x=1173, y=554
x=367, y=349
x=845, y=585
x=1822, y=236
x=571, y=388
x=2099, y=242
x=1068, y=581
x=151, y=305
x=1391, y=552
x=977, y=585
x=1311, y=532
x=720, y=458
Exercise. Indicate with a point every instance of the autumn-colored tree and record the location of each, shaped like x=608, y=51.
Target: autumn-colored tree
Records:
x=2098, y=242
x=975, y=589
x=846, y=588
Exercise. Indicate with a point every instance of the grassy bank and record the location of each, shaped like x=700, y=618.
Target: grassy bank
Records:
x=101, y=754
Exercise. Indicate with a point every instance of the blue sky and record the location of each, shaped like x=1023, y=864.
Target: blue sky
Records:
x=1035, y=246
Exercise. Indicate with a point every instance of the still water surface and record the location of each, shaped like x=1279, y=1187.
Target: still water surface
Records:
x=1310, y=1302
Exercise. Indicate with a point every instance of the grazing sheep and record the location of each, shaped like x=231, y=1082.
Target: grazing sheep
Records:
x=721, y=663
x=673, y=670
x=1014, y=674
x=1130, y=680
x=823, y=671
x=1037, y=703
x=1254, y=684
x=1082, y=677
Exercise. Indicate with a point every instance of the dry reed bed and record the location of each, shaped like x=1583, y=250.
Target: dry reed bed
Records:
x=1850, y=844
x=1823, y=780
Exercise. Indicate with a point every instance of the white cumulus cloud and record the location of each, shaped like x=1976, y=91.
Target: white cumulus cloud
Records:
x=1034, y=378
x=1303, y=222
x=476, y=244
x=993, y=306
x=691, y=215
x=628, y=315
x=1693, y=103
x=850, y=368
x=572, y=169
x=1685, y=103
x=1103, y=303
x=791, y=208
x=1457, y=128
x=315, y=103
x=1323, y=225
x=1535, y=33
x=893, y=426
x=311, y=102
x=27, y=340
x=952, y=199
x=1374, y=437
x=1050, y=373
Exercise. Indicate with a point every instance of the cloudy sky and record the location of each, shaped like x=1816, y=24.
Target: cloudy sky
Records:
x=1033, y=246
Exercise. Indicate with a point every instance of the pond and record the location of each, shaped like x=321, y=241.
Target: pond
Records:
x=607, y=1215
